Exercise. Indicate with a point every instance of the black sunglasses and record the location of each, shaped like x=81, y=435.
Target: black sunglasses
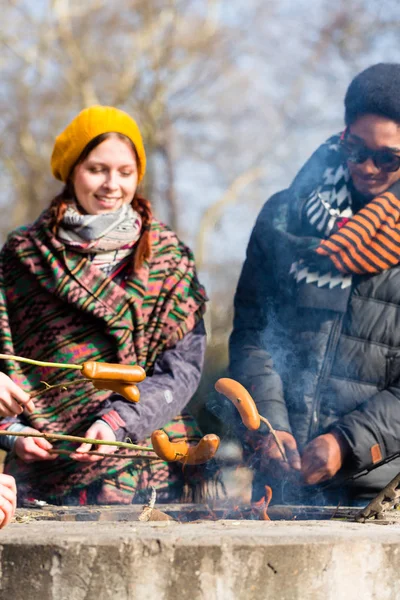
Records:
x=383, y=159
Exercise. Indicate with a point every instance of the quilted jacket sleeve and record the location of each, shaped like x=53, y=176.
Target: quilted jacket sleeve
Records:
x=250, y=361
x=372, y=431
x=165, y=394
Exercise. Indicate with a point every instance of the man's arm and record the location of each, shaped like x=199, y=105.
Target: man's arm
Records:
x=372, y=431
x=250, y=361
x=361, y=437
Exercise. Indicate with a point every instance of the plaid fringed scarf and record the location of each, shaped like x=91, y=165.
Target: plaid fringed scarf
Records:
x=56, y=306
x=367, y=242
x=107, y=238
x=100, y=233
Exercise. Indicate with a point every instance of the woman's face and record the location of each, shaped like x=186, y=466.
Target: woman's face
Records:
x=107, y=178
x=376, y=133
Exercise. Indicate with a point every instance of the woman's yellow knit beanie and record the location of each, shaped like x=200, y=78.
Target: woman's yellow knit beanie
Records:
x=90, y=123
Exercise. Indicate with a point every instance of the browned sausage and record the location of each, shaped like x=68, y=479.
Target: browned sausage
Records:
x=241, y=398
x=127, y=390
x=169, y=451
x=203, y=451
x=113, y=372
x=180, y=450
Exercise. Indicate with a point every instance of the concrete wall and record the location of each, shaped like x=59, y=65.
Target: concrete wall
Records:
x=226, y=560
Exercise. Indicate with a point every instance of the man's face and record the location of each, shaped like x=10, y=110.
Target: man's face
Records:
x=374, y=133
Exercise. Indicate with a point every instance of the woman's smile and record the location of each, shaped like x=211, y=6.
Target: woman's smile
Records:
x=106, y=201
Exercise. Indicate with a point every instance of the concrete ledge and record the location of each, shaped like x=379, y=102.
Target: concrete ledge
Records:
x=225, y=560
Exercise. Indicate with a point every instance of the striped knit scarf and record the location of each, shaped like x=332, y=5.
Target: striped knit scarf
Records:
x=367, y=242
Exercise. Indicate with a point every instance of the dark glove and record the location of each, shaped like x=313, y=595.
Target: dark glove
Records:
x=272, y=461
x=323, y=457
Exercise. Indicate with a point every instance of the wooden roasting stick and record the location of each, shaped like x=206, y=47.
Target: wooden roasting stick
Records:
x=162, y=447
x=104, y=376
x=240, y=397
x=104, y=454
x=74, y=438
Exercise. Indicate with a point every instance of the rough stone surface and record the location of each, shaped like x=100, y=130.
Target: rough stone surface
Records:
x=226, y=560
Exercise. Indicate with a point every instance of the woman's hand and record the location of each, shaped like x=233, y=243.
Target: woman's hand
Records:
x=323, y=457
x=272, y=460
x=13, y=399
x=30, y=449
x=8, y=499
x=99, y=431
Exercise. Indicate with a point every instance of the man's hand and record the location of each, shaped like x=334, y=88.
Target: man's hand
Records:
x=13, y=399
x=272, y=460
x=8, y=499
x=99, y=431
x=323, y=457
x=30, y=449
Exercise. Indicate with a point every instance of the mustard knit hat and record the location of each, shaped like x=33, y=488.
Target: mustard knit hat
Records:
x=90, y=123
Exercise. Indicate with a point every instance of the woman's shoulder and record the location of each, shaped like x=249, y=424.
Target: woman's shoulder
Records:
x=161, y=227
x=17, y=236
x=166, y=246
x=23, y=235
x=163, y=236
x=17, y=242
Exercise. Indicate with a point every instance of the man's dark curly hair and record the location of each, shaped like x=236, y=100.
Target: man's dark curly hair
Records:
x=374, y=91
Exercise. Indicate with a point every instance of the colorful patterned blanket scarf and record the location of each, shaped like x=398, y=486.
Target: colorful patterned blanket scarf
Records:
x=365, y=243
x=56, y=306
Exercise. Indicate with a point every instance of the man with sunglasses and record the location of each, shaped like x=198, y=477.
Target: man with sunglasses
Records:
x=316, y=337
x=373, y=164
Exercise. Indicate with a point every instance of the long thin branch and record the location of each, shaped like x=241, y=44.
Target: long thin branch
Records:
x=73, y=438
x=57, y=385
x=103, y=454
x=277, y=440
x=39, y=363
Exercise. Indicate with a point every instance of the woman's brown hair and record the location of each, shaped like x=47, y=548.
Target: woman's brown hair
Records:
x=59, y=204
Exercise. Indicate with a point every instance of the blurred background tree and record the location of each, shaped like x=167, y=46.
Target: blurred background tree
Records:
x=231, y=97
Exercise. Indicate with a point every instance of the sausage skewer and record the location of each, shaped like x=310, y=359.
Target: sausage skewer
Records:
x=181, y=451
x=74, y=438
x=162, y=447
x=104, y=376
x=240, y=397
x=122, y=379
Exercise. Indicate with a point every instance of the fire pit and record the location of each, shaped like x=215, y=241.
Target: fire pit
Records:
x=104, y=553
x=199, y=552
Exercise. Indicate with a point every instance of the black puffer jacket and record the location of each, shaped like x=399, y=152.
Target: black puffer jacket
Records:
x=311, y=370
